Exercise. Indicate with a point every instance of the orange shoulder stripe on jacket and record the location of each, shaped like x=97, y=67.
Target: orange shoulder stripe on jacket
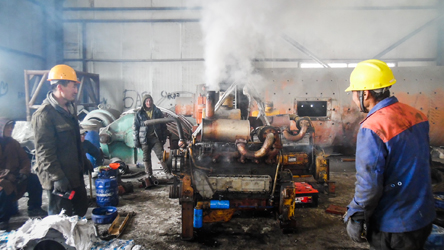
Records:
x=390, y=121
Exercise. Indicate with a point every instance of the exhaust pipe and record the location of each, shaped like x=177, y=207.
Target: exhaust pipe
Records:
x=209, y=108
x=242, y=147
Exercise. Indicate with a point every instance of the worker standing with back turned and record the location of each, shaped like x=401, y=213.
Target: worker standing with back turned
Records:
x=60, y=160
x=393, y=193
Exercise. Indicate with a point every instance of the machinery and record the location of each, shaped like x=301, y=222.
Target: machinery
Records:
x=228, y=165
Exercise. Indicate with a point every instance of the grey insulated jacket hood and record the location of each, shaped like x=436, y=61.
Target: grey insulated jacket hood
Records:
x=146, y=96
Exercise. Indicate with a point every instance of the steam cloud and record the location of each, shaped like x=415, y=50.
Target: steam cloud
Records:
x=235, y=33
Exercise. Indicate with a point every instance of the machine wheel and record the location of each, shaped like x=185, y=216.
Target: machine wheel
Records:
x=174, y=192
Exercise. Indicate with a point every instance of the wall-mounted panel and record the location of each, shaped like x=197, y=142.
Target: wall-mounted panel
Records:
x=72, y=40
x=104, y=40
x=191, y=37
x=12, y=86
x=23, y=26
x=166, y=42
x=111, y=83
x=137, y=81
x=167, y=80
x=23, y=43
x=136, y=41
x=192, y=75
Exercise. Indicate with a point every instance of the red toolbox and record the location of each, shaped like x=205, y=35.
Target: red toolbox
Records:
x=306, y=195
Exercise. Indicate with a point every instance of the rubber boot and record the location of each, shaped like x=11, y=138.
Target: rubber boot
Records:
x=166, y=170
x=150, y=181
x=148, y=168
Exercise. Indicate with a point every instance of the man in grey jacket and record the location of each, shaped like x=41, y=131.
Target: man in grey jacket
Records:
x=150, y=137
x=59, y=158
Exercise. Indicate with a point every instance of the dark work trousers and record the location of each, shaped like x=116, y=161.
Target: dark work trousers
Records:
x=6, y=205
x=34, y=189
x=77, y=206
x=413, y=240
x=152, y=144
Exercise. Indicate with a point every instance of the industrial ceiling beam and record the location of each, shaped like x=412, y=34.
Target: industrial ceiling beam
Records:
x=304, y=50
x=129, y=8
x=424, y=7
x=405, y=38
x=131, y=20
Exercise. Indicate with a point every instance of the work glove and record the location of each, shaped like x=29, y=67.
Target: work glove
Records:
x=22, y=178
x=88, y=167
x=62, y=185
x=355, y=228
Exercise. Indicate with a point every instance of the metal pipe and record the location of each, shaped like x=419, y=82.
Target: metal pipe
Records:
x=188, y=20
x=300, y=135
x=128, y=8
x=275, y=179
x=195, y=165
x=269, y=140
x=165, y=120
x=225, y=130
x=209, y=108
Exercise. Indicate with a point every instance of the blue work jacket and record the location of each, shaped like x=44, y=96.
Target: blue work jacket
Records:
x=393, y=187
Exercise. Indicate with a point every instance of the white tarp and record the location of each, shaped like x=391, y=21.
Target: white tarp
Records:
x=77, y=232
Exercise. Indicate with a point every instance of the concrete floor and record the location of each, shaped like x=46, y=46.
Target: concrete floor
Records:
x=157, y=224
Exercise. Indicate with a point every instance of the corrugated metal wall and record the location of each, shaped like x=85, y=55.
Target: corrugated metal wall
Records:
x=157, y=46
x=22, y=46
x=138, y=51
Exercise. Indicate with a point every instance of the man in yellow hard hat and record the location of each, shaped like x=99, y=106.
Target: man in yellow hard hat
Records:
x=60, y=160
x=393, y=193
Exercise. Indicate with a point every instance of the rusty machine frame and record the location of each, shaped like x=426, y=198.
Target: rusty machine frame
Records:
x=228, y=166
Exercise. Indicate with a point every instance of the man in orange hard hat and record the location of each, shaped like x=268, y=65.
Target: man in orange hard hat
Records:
x=60, y=161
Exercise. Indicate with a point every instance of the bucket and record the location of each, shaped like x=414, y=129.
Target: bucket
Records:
x=107, y=192
x=93, y=137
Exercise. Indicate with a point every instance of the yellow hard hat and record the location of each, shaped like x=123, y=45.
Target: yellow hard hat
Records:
x=62, y=72
x=371, y=74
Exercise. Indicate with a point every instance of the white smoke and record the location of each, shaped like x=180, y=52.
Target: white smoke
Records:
x=235, y=33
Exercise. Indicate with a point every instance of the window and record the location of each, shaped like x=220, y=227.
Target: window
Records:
x=312, y=108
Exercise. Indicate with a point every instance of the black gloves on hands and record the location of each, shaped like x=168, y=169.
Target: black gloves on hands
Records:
x=22, y=178
x=355, y=228
x=62, y=185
